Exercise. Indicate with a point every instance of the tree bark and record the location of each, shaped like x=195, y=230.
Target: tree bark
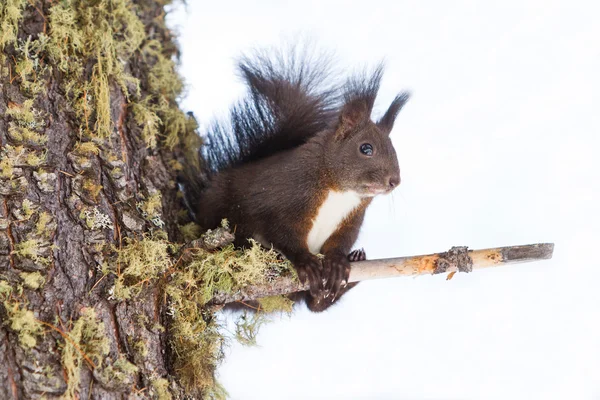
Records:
x=86, y=163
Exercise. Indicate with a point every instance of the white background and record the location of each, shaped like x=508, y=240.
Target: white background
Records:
x=498, y=146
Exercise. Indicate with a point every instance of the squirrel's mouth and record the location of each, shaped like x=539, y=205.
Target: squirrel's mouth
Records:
x=371, y=189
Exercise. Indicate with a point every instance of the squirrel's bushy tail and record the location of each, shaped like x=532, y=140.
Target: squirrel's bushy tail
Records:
x=291, y=97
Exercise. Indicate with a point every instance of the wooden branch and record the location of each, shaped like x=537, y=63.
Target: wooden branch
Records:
x=457, y=259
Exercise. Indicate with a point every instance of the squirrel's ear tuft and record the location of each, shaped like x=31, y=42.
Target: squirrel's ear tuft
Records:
x=386, y=123
x=353, y=114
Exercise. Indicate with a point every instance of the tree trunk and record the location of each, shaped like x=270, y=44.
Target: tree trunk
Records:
x=88, y=128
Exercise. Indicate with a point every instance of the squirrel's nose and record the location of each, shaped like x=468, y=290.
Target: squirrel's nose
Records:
x=393, y=181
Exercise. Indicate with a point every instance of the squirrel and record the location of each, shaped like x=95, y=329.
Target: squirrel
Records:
x=297, y=165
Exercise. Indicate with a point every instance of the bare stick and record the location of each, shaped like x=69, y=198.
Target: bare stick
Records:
x=456, y=259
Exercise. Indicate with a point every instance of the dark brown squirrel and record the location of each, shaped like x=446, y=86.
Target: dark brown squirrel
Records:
x=297, y=165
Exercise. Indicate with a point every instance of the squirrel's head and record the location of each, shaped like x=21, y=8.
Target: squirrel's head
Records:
x=361, y=155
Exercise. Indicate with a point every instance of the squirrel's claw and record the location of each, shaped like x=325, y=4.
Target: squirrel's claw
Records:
x=337, y=269
x=357, y=255
x=309, y=269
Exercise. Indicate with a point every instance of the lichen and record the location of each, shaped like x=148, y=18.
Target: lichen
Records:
x=160, y=389
x=103, y=32
x=23, y=114
x=12, y=157
x=23, y=322
x=149, y=121
x=87, y=337
x=273, y=304
x=140, y=262
x=119, y=373
x=197, y=338
x=32, y=280
x=11, y=13
x=150, y=209
x=247, y=327
x=95, y=219
x=86, y=148
x=26, y=135
x=190, y=231
x=28, y=208
x=5, y=290
x=29, y=67
x=33, y=249
x=43, y=226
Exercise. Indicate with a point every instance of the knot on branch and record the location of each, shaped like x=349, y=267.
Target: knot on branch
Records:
x=457, y=258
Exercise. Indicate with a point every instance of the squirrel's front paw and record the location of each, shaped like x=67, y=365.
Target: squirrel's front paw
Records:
x=336, y=271
x=309, y=269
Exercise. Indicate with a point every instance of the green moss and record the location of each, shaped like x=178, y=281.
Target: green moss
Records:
x=153, y=205
x=10, y=16
x=139, y=263
x=101, y=32
x=86, y=148
x=276, y=303
x=121, y=372
x=190, y=231
x=197, y=341
x=23, y=322
x=150, y=209
x=176, y=165
x=148, y=120
x=231, y=268
x=7, y=167
x=29, y=66
x=247, y=327
x=92, y=188
x=248, y=324
x=32, y=280
x=35, y=159
x=18, y=156
x=42, y=225
x=5, y=290
x=28, y=208
x=23, y=114
x=26, y=135
x=141, y=348
x=160, y=389
x=86, y=337
x=32, y=249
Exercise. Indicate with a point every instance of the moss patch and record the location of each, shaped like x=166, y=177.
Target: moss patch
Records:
x=139, y=263
x=276, y=303
x=32, y=280
x=23, y=321
x=190, y=231
x=10, y=16
x=160, y=388
x=33, y=249
x=19, y=318
x=197, y=341
x=87, y=337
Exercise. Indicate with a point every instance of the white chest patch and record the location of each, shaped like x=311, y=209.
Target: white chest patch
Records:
x=332, y=212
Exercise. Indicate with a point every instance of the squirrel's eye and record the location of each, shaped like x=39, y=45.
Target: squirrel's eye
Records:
x=366, y=149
